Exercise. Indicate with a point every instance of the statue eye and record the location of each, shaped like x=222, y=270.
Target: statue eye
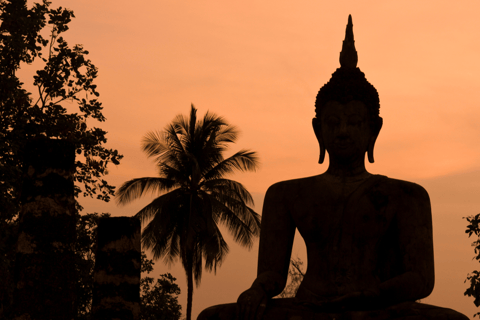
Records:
x=355, y=121
x=333, y=121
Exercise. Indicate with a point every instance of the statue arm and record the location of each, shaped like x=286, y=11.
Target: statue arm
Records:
x=276, y=240
x=414, y=221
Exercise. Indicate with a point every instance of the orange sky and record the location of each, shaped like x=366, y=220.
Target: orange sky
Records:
x=260, y=64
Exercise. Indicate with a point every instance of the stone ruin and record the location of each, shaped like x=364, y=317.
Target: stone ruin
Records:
x=44, y=270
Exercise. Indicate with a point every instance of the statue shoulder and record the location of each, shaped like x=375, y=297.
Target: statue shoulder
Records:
x=290, y=187
x=406, y=189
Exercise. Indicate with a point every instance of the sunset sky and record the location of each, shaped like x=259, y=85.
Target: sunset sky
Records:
x=260, y=65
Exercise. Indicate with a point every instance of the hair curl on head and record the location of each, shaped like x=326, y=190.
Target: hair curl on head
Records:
x=349, y=84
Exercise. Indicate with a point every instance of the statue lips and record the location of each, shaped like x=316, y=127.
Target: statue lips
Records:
x=343, y=145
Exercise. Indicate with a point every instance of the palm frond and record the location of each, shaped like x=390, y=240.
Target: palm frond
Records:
x=236, y=201
x=197, y=264
x=153, y=143
x=241, y=211
x=193, y=122
x=174, y=142
x=157, y=206
x=215, y=250
x=217, y=133
x=227, y=134
x=162, y=235
x=243, y=231
x=165, y=147
x=228, y=188
x=160, y=242
x=135, y=188
x=180, y=175
x=243, y=160
x=210, y=126
x=181, y=125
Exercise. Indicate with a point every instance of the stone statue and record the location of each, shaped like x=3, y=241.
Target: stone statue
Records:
x=368, y=237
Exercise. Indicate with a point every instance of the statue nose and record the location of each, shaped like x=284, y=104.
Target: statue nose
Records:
x=342, y=130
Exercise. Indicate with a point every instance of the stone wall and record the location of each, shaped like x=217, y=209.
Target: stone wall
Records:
x=116, y=290
x=44, y=266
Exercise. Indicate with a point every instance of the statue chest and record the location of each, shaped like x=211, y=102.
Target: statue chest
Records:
x=343, y=237
x=334, y=220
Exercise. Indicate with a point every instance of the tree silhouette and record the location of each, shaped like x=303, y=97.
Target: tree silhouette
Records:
x=473, y=227
x=63, y=105
x=85, y=249
x=159, y=299
x=194, y=196
x=295, y=275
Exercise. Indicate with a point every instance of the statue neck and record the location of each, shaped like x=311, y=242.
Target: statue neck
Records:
x=348, y=170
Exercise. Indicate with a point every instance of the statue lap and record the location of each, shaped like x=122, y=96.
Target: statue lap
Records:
x=289, y=309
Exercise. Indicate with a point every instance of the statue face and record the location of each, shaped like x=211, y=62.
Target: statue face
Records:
x=345, y=129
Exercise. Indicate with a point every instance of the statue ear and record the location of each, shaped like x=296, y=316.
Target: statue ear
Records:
x=317, y=128
x=373, y=139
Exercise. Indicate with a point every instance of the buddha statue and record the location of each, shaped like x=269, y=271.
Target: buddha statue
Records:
x=368, y=237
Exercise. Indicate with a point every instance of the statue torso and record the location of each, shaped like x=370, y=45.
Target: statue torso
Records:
x=349, y=231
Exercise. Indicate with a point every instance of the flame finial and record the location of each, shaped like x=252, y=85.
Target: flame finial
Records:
x=348, y=56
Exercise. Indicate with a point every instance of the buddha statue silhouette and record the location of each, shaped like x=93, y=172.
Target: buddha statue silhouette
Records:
x=368, y=237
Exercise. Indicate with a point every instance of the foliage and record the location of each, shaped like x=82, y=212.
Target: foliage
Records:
x=66, y=77
x=295, y=278
x=7, y=258
x=473, y=227
x=194, y=194
x=85, y=249
x=62, y=106
x=159, y=300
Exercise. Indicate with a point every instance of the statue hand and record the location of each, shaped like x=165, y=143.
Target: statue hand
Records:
x=251, y=304
x=354, y=299
x=345, y=299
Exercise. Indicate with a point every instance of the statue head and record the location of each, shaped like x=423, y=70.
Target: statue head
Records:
x=349, y=84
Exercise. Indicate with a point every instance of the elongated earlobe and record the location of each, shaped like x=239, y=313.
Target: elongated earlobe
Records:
x=318, y=133
x=322, y=153
x=371, y=144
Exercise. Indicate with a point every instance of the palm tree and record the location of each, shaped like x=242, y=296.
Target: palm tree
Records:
x=194, y=195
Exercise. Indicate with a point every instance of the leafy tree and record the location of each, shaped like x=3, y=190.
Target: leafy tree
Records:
x=85, y=249
x=295, y=275
x=63, y=105
x=67, y=76
x=194, y=195
x=159, y=300
x=473, y=227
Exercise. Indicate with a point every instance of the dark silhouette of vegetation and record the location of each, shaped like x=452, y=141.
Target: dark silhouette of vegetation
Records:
x=194, y=195
x=85, y=249
x=67, y=76
x=63, y=105
x=473, y=227
x=295, y=278
x=160, y=299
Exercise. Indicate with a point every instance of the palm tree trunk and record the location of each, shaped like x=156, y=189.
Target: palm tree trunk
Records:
x=189, y=271
x=189, y=268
